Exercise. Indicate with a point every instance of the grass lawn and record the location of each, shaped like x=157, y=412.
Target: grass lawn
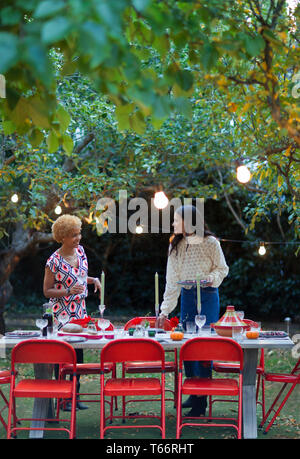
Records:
x=287, y=426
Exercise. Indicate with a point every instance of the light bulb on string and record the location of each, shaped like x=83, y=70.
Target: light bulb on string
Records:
x=262, y=249
x=14, y=198
x=58, y=210
x=139, y=229
x=243, y=174
x=160, y=200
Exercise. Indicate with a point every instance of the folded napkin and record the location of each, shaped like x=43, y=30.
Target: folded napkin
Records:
x=83, y=322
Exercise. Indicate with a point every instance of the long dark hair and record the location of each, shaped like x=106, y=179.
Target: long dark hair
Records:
x=176, y=238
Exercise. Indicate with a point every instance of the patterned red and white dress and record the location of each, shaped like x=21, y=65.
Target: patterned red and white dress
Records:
x=66, y=276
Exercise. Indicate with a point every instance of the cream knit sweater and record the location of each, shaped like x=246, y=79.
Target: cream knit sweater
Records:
x=194, y=256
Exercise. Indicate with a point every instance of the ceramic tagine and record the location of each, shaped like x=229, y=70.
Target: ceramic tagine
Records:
x=229, y=320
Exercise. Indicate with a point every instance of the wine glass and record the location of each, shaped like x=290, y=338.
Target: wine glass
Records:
x=103, y=325
x=63, y=318
x=82, y=279
x=200, y=320
x=41, y=323
x=101, y=309
x=240, y=314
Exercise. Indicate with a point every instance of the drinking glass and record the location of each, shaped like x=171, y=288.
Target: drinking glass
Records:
x=101, y=309
x=103, y=325
x=256, y=327
x=41, y=323
x=63, y=318
x=82, y=279
x=237, y=333
x=190, y=327
x=241, y=314
x=200, y=320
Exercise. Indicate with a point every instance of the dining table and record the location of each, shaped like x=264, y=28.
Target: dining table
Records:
x=251, y=347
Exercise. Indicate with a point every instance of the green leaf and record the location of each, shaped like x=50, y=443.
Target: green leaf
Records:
x=38, y=112
x=63, y=117
x=8, y=51
x=67, y=144
x=55, y=29
x=10, y=16
x=8, y=127
x=122, y=113
x=48, y=8
x=93, y=42
x=37, y=57
x=161, y=44
x=137, y=123
x=36, y=138
x=254, y=45
x=185, y=79
x=52, y=142
x=140, y=5
x=209, y=56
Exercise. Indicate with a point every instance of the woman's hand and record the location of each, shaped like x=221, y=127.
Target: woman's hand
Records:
x=209, y=282
x=97, y=284
x=76, y=289
x=161, y=321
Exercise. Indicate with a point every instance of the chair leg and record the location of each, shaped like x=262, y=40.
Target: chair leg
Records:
x=273, y=404
x=280, y=408
x=179, y=408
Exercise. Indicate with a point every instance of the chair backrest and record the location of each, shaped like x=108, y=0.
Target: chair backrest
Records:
x=222, y=349
x=133, y=350
x=151, y=320
x=43, y=351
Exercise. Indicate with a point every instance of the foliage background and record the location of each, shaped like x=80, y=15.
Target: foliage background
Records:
x=138, y=95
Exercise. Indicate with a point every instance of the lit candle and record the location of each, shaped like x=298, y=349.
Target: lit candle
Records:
x=198, y=295
x=156, y=294
x=102, y=287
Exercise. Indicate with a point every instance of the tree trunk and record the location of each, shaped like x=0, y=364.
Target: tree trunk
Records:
x=23, y=243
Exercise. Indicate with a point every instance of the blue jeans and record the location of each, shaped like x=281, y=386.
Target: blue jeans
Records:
x=210, y=307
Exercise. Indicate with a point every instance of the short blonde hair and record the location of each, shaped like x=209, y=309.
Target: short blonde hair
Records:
x=64, y=226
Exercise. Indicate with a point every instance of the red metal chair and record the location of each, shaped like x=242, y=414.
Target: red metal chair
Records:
x=5, y=379
x=89, y=369
x=210, y=349
x=293, y=379
x=42, y=351
x=154, y=367
x=137, y=350
x=232, y=367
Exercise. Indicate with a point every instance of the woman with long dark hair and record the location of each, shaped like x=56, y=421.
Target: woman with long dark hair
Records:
x=191, y=254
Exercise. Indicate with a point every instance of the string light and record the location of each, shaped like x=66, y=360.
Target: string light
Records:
x=58, y=210
x=262, y=249
x=243, y=174
x=160, y=200
x=139, y=229
x=14, y=198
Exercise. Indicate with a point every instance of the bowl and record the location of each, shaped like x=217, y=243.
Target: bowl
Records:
x=225, y=330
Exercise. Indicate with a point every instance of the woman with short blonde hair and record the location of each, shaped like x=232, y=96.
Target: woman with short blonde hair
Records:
x=64, y=268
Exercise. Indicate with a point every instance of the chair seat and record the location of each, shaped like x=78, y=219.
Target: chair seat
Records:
x=207, y=386
x=231, y=367
x=226, y=367
x=43, y=388
x=148, y=367
x=283, y=378
x=86, y=369
x=5, y=377
x=132, y=386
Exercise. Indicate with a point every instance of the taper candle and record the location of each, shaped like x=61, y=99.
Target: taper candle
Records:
x=156, y=292
x=102, y=287
x=198, y=295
